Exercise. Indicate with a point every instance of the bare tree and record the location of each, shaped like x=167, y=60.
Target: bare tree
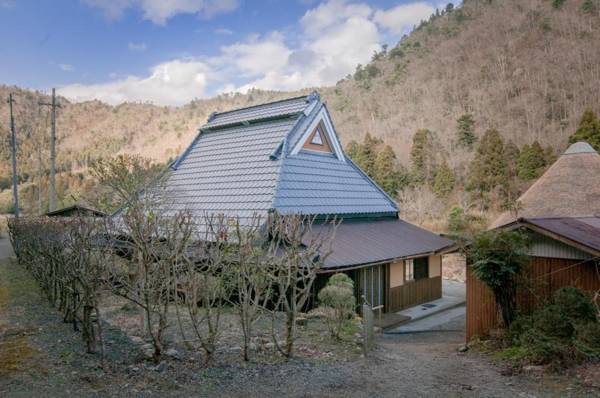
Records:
x=155, y=242
x=295, y=253
x=205, y=285
x=248, y=274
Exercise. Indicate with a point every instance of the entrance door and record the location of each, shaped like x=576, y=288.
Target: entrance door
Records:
x=372, y=285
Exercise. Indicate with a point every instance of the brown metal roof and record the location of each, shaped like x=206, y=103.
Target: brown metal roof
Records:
x=76, y=210
x=584, y=231
x=359, y=243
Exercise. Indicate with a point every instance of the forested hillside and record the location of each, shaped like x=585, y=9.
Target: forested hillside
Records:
x=504, y=79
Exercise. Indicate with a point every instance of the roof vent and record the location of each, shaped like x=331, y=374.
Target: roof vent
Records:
x=212, y=117
x=580, y=147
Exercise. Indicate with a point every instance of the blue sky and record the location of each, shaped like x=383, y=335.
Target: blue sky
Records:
x=171, y=51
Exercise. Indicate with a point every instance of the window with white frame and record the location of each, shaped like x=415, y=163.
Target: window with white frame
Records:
x=409, y=270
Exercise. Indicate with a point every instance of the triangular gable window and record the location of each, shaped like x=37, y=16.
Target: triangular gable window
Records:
x=317, y=140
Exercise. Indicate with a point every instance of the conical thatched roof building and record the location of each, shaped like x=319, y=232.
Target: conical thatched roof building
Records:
x=569, y=188
x=560, y=213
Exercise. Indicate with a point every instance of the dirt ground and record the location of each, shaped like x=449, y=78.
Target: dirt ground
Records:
x=42, y=356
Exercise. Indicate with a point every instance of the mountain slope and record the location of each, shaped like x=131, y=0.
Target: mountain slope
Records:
x=521, y=66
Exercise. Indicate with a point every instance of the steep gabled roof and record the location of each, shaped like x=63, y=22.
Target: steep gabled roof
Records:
x=569, y=188
x=241, y=165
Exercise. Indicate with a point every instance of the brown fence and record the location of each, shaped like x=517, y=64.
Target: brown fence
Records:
x=541, y=278
x=413, y=293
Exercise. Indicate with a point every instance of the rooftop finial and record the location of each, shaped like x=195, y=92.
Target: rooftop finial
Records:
x=580, y=147
x=314, y=96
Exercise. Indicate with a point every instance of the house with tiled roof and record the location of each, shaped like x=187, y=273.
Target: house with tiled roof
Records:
x=285, y=157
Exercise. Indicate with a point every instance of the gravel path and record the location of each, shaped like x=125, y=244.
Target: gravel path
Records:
x=41, y=356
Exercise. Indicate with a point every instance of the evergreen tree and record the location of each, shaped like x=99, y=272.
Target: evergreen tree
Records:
x=457, y=221
x=531, y=161
x=465, y=130
x=512, y=153
x=488, y=170
x=352, y=150
x=422, y=157
x=386, y=175
x=557, y=4
x=444, y=181
x=589, y=6
x=368, y=154
x=588, y=130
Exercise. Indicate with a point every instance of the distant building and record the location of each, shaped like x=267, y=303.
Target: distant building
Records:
x=76, y=211
x=285, y=157
x=561, y=212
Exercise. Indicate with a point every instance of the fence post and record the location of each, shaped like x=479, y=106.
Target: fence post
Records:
x=368, y=332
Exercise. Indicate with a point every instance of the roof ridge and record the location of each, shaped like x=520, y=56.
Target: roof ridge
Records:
x=215, y=114
x=372, y=182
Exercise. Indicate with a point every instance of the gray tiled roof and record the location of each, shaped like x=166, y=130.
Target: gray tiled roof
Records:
x=288, y=107
x=229, y=171
x=238, y=166
x=314, y=183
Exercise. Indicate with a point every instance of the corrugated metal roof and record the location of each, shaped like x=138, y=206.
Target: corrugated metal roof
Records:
x=361, y=242
x=582, y=230
x=291, y=106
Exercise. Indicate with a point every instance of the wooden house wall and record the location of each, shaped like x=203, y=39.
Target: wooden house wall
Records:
x=540, y=280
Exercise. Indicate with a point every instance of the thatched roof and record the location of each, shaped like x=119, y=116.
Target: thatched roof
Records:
x=569, y=188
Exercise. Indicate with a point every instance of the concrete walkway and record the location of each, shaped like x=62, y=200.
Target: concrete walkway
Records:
x=453, y=295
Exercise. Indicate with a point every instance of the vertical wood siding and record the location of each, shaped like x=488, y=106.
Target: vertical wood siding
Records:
x=414, y=293
x=541, y=278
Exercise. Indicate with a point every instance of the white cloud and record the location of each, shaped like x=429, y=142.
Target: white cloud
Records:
x=137, y=46
x=332, y=39
x=330, y=13
x=170, y=83
x=402, y=18
x=7, y=4
x=223, y=31
x=256, y=55
x=66, y=67
x=159, y=11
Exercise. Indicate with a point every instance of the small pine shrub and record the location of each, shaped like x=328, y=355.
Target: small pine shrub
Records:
x=561, y=333
x=587, y=339
x=575, y=305
x=339, y=302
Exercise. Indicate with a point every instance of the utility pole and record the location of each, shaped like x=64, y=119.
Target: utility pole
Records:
x=13, y=141
x=52, y=194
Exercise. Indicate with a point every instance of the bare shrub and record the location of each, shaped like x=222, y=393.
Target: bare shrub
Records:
x=64, y=257
x=205, y=286
x=295, y=252
x=249, y=275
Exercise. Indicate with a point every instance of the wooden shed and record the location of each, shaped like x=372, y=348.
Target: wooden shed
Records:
x=561, y=213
